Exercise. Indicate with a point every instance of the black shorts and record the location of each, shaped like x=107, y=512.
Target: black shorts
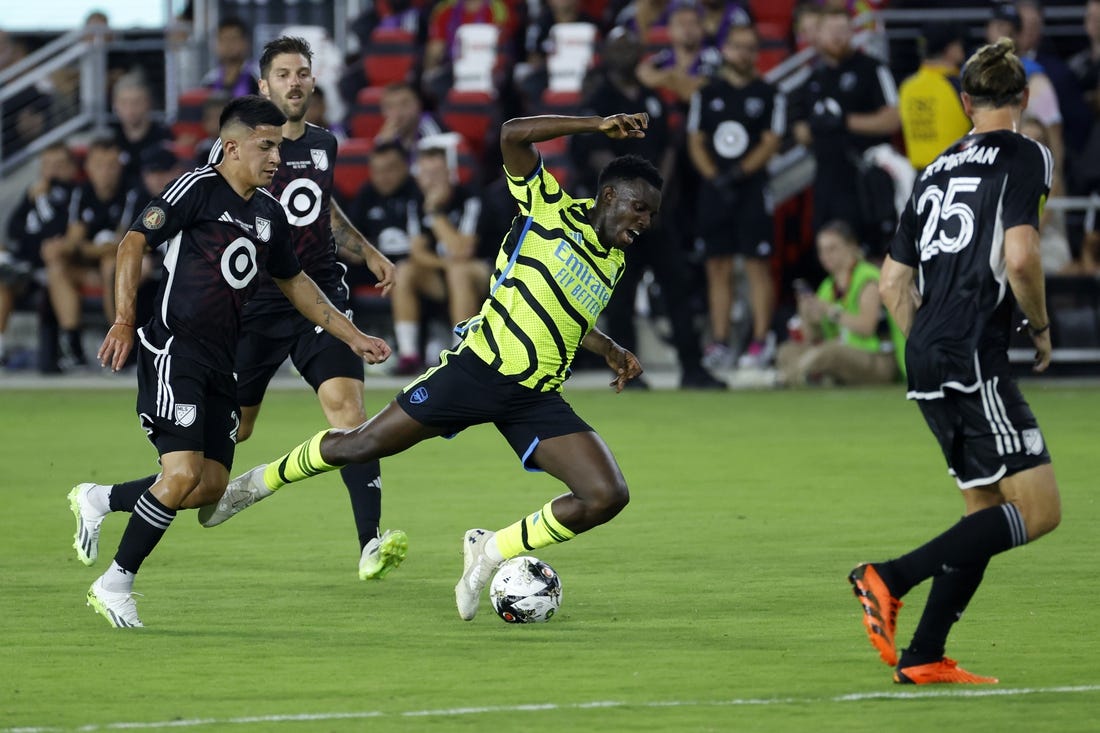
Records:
x=986, y=434
x=741, y=227
x=465, y=391
x=185, y=406
x=267, y=339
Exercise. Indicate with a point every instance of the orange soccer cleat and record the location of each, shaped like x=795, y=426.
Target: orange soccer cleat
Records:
x=945, y=671
x=880, y=610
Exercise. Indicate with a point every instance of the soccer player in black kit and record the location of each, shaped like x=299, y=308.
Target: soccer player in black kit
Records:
x=966, y=253
x=270, y=328
x=220, y=229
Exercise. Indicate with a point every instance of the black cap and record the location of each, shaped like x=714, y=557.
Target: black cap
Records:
x=1007, y=12
x=158, y=159
x=936, y=37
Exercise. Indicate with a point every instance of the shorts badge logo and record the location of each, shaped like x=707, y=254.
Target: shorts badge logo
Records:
x=153, y=218
x=185, y=415
x=320, y=159
x=419, y=395
x=263, y=229
x=1033, y=441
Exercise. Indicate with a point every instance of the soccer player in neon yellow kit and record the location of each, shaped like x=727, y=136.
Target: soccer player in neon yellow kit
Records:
x=554, y=274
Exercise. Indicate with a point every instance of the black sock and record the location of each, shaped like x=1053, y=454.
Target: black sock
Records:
x=972, y=541
x=147, y=525
x=364, y=482
x=950, y=594
x=73, y=343
x=125, y=495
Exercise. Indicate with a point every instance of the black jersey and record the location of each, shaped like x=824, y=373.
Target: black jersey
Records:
x=217, y=244
x=99, y=216
x=384, y=220
x=735, y=118
x=463, y=210
x=37, y=219
x=303, y=185
x=953, y=232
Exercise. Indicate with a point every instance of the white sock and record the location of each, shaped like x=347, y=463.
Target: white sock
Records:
x=118, y=580
x=99, y=497
x=492, y=551
x=407, y=334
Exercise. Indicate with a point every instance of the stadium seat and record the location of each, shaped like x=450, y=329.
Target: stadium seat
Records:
x=560, y=103
x=471, y=114
x=366, y=118
x=390, y=56
x=187, y=129
x=773, y=45
x=772, y=11
x=352, y=167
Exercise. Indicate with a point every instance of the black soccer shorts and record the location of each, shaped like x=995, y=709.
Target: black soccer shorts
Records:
x=987, y=434
x=267, y=339
x=465, y=391
x=739, y=225
x=185, y=406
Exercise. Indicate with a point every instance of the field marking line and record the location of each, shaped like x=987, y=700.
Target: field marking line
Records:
x=542, y=707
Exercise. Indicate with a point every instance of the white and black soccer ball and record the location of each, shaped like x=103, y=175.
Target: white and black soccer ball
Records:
x=525, y=590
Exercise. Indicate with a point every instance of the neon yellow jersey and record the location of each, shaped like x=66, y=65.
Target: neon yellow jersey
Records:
x=552, y=280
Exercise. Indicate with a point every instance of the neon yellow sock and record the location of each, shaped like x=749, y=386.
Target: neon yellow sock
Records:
x=300, y=463
x=540, y=529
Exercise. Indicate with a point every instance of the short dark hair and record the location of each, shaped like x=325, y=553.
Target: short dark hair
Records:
x=232, y=21
x=281, y=45
x=391, y=146
x=628, y=167
x=251, y=111
x=842, y=229
x=103, y=142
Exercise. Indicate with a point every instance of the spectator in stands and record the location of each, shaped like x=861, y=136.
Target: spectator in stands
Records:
x=681, y=69
x=443, y=27
x=848, y=105
x=1005, y=22
x=616, y=89
x=30, y=115
x=643, y=17
x=135, y=128
x=932, y=116
x=1030, y=44
x=40, y=222
x=735, y=126
x=1054, y=249
x=538, y=45
x=405, y=120
x=211, y=116
x=445, y=264
x=841, y=322
x=1086, y=64
x=719, y=16
x=387, y=202
x=98, y=213
x=805, y=21
x=403, y=15
x=235, y=73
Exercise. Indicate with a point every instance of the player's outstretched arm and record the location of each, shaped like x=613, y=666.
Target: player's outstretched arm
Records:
x=304, y=295
x=518, y=135
x=625, y=365
x=119, y=341
x=349, y=238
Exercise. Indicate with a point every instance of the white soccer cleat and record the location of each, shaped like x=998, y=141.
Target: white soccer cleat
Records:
x=477, y=569
x=241, y=493
x=383, y=554
x=88, y=521
x=120, y=609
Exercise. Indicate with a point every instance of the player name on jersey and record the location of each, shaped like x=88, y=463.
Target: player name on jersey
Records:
x=981, y=154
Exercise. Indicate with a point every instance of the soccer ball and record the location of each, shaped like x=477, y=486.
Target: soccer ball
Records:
x=525, y=590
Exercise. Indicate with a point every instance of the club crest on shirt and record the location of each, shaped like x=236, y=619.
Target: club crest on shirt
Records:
x=185, y=415
x=263, y=229
x=1033, y=441
x=153, y=218
x=320, y=159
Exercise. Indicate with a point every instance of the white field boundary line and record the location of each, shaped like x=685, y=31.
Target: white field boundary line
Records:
x=953, y=693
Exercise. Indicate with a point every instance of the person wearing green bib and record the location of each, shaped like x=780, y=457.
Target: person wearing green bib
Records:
x=841, y=341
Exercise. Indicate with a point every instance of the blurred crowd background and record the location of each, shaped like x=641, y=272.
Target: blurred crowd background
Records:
x=788, y=133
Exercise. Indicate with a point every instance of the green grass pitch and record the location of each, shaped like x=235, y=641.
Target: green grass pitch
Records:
x=716, y=601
